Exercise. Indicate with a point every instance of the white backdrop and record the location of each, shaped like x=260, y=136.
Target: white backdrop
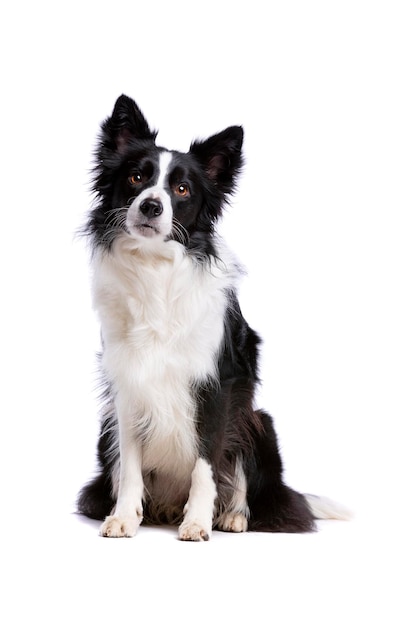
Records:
x=325, y=223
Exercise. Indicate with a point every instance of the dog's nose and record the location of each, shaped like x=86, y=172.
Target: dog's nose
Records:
x=151, y=207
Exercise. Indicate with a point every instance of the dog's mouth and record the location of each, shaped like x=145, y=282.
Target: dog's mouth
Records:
x=146, y=229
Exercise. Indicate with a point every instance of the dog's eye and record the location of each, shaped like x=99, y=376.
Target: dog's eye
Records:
x=182, y=190
x=136, y=179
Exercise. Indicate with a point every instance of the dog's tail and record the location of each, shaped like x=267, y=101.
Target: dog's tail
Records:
x=325, y=508
x=94, y=499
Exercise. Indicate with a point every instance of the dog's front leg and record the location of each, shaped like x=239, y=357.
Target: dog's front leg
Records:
x=198, y=520
x=128, y=512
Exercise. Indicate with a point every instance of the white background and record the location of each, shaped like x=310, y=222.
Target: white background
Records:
x=325, y=222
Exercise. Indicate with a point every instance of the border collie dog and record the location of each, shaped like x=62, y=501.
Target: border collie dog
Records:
x=181, y=441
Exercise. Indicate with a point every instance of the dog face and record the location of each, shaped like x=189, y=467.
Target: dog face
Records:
x=152, y=193
x=163, y=194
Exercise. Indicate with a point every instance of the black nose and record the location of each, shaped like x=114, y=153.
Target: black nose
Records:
x=151, y=208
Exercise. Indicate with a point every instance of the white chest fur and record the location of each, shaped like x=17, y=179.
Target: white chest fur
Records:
x=162, y=318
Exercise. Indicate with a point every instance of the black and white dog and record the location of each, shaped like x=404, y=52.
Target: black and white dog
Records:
x=181, y=441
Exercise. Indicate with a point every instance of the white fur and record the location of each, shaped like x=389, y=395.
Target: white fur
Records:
x=160, y=338
x=198, y=520
x=325, y=508
x=128, y=512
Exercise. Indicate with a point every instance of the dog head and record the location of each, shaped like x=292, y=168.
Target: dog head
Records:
x=154, y=194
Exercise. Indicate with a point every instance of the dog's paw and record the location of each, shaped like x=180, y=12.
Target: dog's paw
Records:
x=233, y=522
x=114, y=526
x=193, y=531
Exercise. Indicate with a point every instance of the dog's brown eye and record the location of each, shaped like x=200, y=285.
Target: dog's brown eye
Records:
x=182, y=190
x=136, y=179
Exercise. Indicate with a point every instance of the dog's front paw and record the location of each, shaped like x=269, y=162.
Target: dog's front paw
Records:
x=193, y=531
x=114, y=526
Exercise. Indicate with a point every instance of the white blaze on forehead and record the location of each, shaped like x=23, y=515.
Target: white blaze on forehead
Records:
x=165, y=159
x=162, y=223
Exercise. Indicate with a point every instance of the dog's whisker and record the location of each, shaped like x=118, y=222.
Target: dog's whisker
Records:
x=181, y=232
x=116, y=219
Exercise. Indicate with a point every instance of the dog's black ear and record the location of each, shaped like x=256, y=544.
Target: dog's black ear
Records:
x=125, y=123
x=221, y=157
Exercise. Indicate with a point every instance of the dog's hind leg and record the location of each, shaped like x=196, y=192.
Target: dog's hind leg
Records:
x=198, y=519
x=235, y=516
